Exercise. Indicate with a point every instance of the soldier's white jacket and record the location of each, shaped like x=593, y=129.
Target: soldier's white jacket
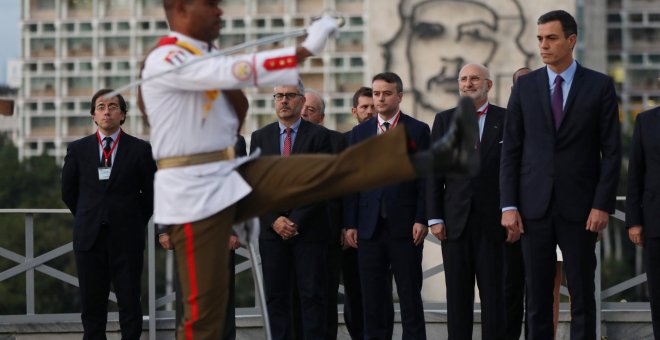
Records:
x=189, y=114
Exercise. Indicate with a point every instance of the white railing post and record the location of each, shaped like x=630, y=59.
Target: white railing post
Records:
x=29, y=256
x=151, y=256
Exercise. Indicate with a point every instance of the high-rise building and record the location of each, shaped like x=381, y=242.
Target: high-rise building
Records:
x=633, y=54
x=71, y=48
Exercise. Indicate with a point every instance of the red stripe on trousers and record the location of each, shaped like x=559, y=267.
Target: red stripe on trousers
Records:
x=192, y=280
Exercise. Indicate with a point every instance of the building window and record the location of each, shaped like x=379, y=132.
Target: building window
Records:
x=43, y=47
x=636, y=58
x=85, y=27
x=654, y=58
x=117, y=46
x=161, y=25
x=49, y=27
x=123, y=26
x=356, y=21
x=238, y=23
x=49, y=106
x=42, y=86
x=115, y=82
x=79, y=47
x=79, y=86
x=49, y=67
x=123, y=66
x=357, y=62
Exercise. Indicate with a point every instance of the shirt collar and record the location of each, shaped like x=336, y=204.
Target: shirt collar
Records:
x=567, y=75
x=294, y=126
x=391, y=120
x=113, y=136
x=482, y=107
x=200, y=45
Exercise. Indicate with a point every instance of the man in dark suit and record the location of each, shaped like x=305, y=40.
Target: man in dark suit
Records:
x=107, y=183
x=514, y=282
x=314, y=112
x=389, y=223
x=561, y=157
x=363, y=109
x=464, y=214
x=293, y=243
x=643, y=202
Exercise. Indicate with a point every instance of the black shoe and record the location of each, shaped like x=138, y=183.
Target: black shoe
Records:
x=456, y=154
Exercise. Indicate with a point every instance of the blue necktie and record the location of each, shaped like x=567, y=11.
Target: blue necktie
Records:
x=107, y=148
x=558, y=102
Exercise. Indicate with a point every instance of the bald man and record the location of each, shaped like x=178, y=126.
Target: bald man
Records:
x=464, y=214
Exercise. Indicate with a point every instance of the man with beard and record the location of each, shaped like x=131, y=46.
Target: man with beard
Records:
x=292, y=243
x=464, y=214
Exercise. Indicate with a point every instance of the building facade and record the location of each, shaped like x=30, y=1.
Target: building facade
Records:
x=71, y=48
x=633, y=55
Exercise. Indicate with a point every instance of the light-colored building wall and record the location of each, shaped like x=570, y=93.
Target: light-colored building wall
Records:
x=71, y=48
x=427, y=42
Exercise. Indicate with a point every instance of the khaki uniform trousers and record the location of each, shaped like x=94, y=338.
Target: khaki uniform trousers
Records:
x=277, y=184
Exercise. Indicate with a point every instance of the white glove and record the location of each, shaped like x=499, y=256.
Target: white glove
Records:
x=318, y=33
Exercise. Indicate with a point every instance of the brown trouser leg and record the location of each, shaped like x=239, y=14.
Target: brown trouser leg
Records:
x=277, y=184
x=282, y=183
x=202, y=260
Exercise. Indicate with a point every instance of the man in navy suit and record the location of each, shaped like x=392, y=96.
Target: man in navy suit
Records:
x=643, y=202
x=464, y=213
x=293, y=243
x=561, y=157
x=388, y=224
x=107, y=183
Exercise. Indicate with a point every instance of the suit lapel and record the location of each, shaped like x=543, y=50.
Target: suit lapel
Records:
x=577, y=84
x=92, y=151
x=272, y=144
x=544, y=92
x=492, y=125
x=122, y=152
x=301, y=137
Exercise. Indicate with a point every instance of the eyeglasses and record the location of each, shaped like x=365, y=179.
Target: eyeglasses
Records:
x=111, y=107
x=289, y=95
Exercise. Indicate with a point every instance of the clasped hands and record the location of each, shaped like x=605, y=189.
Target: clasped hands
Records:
x=285, y=228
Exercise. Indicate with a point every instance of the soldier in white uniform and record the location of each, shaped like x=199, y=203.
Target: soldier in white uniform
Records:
x=201, y=189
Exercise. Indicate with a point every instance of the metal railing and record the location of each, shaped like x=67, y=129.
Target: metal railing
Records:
x=28, y=264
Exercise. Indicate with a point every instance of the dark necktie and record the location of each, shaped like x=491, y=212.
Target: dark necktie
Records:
x=286, y=150
x=558, y=102
x=386, y=126
x=107, y=148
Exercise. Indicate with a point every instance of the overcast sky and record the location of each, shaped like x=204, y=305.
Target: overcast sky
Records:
x=9, y=34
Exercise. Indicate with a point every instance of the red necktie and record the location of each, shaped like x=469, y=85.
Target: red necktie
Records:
x=286, y=150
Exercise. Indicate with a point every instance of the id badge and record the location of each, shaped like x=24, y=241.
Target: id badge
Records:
x=104, y=173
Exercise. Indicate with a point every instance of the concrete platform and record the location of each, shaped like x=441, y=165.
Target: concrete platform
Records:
x=617, y=325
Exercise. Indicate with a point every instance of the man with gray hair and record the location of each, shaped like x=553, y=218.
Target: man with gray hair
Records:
x=464, y=214
x=314, y=109
x=314, y=112
x=293, y=242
